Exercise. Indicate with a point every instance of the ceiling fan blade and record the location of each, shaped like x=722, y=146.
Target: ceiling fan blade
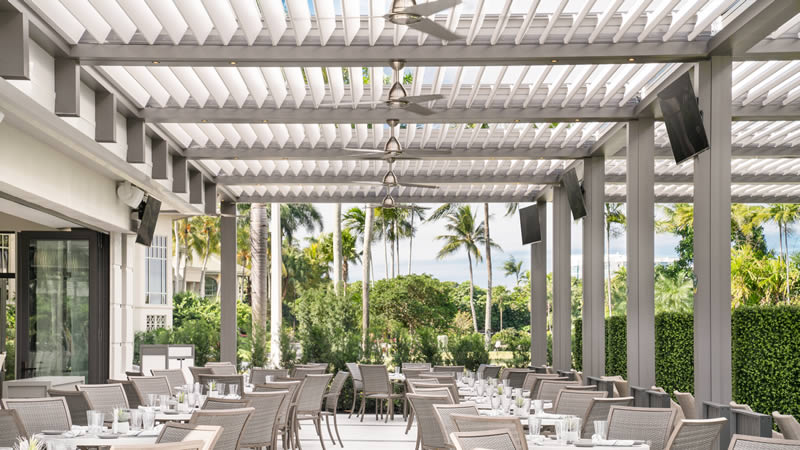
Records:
x=422, y=98
x=415, y=185
x=363, y=150
x=349, y=104
x=418, y=109
x=426, y=9
x=434, y=29
x=433, y=153
x=369, y=183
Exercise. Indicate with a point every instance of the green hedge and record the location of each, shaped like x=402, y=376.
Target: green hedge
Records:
x=766, y=358
x=675, y=351
x=617, y=346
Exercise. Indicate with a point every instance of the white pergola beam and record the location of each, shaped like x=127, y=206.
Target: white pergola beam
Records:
x=330, y=179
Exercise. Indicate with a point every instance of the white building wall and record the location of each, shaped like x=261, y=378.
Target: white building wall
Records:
x=141, y=309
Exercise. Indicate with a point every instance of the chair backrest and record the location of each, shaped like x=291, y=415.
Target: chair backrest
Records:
x=227, y=380
x=261, y=429
x=77, y=402
x=491, y=372
x=259, y=376
x=197, y=371
x=530, y=383
x=512, y=425
x=174, y=377
x=335, y=390
x=415, y=366
x=444, y=415
x=375, y=378
x=743, y=442
x=187, y=445
x=599, y=409
x=430, y=434
x=309, y=399
x=578, y=387
x=450, y=387
x=181, y=432
x=449, y=369
x=224, y=403
x=659, y=399
x=302, y=372
x=482, y=440
x=354, y=371
x=714, y=410
x=150, y=385
x=11, y=428
x=575, y=403
x=39, y=414
x=130, y=392
x=696, y=434
x=290, y=387
x=647, y=424
x=515, y=377
x=223, y=369
x=548, y=389
x=788, y=425
x=414, y=373
x=750, y=423
x=436, y=391
x=641, y=399
x=688, y=406
x=232, y=422
x=105, y=397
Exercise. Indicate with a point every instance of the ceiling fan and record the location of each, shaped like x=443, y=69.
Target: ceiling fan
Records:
x=390, y=180
x=392, y=150
x=412, y=15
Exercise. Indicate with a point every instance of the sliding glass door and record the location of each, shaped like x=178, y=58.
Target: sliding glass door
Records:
x=63, y=305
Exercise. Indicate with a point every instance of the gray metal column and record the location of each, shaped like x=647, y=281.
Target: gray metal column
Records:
x=227, y=290
x=562, y=281
x=594, y=320
x=337, y=246
x=539, y=292
x=276, y=300
x=712, y=238
x=640, y=191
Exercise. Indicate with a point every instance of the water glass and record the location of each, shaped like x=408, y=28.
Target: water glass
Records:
x=600, y=430
x=534, y=425
x=506, y=383
x=198, y=388
x=148, y=419
x=233, y=389
x=480, y=389
x=151, y=400
x=136, y=419
x=524, y=410
x=506, y=402
x=95, y=421
x=538, y=407
x=561, y=430
x=573, y=429
x=496, y=400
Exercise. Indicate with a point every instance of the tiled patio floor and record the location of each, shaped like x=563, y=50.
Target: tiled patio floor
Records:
x=367, y=435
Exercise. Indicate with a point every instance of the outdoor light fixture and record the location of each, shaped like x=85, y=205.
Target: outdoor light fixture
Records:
x=631, y=59
x=130, y=194
x=388, y=202
x=553, y=61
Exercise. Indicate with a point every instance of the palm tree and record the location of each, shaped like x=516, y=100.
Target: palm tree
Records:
x=464, y=233
x=366, y=260
x=614, y=216
x=205, y=241
x=784, y=215
x=258, y=265
x=419, y=212
x=674, y=294
x=487, y=323
x=513, y=267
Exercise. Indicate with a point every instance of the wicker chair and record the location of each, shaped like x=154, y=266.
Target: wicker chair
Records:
x=444, y=415
x=451, y=388
x=309, y=401
x=449, y=369
x=548, y=389
x=429, y=434
x=301, y=372
x=130, y=392
x=188, y=445
x=575, y=403
x=377, y=387
x=696, y=434
x=227, y=380
x=415, y=366
x=261, y=431
x=686, y=401
x=232, y=421
x=741, y=406
x=181, y=432
x=427, y=385
x=105, y=397
x=77, y=402
x=532, y=379
x=743, y=442
x=647, y=424
x=197, y=371
x=511, y=425
x=598, y=410
x=515, y=377
x=39, y=414
x=789, y=426
x=259, y=376
x=622, y=387
x=150, y=385
x=291, y=389
x=174, y=377
x=358, y=385
x=222, y=369
x=481, y=440
x=217, y=404
x=11, y=428
x=441, y=376
x=490, y=372
x=331, y=406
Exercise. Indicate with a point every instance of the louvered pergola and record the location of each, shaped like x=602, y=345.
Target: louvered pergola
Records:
x=257, y=100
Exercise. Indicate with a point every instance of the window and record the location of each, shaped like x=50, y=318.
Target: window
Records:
x=211, y=287
x=5, y=253
x=156, y=269
x=155, y=322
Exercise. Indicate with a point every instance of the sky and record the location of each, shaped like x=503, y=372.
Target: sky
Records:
x=505, y=232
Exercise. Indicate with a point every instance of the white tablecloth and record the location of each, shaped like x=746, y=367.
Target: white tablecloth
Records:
x=88, y=440
x=551, y=444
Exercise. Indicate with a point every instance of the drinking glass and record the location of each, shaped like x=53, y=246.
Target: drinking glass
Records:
x=136, y=420
x=162, y=402
x=538, y=407
x=480, y=390
x=561, y=430
x=151, y=400
x=148, y=419
x=232, y=389
x=506, y=383
x=573, y=429
x=600, y=430
x=95, y=421
x=198, y=388
x=506, y=402
x=534, y=425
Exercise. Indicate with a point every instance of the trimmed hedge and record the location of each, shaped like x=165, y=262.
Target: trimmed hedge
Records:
x=675, y=351
x=617, y=346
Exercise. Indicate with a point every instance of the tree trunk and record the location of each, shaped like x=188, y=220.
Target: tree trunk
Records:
x=391, y=248
x=486, y=236
x=608, y=266
x=206, y=253
x=337, y=247
x=385, y=247
x=176, y=263
x=258, y=265
x=471, y=300
x=411, y=240
x=786, y=237
x=366, y=260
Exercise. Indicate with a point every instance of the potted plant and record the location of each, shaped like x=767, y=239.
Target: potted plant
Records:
x=122, y=419
x=29, y=444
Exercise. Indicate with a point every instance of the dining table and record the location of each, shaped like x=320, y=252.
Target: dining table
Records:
x=547, y=443
x=79, y=438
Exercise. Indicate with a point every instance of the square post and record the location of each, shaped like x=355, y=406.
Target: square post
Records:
x=562, y=281
x=539, y=292
x=276, y=300
x=227, y=291
x=594, y=323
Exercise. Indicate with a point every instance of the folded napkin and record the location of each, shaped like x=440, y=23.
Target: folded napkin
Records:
x=76, y=431
x=151, y=433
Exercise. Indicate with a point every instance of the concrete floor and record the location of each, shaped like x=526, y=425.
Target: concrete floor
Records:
x=367, y=435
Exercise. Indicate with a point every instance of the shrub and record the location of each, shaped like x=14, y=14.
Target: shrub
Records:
x=675, y=351
x=288, y=353
x=617, y=346
x=401, y=347
x=413, y=302
x=427, y=347
x=577, y=344
x=518, y=343
x=467, y=350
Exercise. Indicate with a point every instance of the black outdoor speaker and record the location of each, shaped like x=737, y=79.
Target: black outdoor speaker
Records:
x=529, y=224
x=683, y=119
x=148, y=214
x=574, y=194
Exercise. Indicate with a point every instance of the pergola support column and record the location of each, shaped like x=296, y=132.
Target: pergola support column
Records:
x=562, y=280
x=712, y=237
x=640, y=252
x=337, y=246
x=276, y=304
x=14, y=43
x=227, y=291
x=539, y=292
x=594, y=324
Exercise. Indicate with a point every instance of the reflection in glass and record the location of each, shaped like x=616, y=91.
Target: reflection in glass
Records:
x=59, y=307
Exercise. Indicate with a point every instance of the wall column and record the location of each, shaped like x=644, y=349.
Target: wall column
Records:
x=594, y=320
x=276, y=303
x=337, y=246
x=539, y=292
x=227, y=291
x=640, y=190
x=562, y=281
x=712, y=237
